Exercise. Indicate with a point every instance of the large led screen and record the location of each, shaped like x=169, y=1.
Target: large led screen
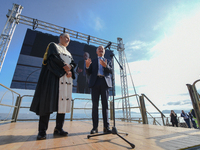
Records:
x=29, y=63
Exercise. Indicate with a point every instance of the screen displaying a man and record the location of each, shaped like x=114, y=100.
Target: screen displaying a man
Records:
x=82, y=79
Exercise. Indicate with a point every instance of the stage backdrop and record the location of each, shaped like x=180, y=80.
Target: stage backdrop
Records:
x=29, y=63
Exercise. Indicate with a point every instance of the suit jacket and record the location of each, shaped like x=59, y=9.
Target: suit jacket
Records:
x=93, y=71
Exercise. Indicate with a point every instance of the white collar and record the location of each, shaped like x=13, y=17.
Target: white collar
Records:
x=62, y=46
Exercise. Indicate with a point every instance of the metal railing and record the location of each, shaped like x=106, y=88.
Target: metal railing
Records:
x=19, y=99
x=16, y=106
x=146, y=112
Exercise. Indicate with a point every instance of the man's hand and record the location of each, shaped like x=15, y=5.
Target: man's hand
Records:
x=69, y=74
x=80, y=70
x=88, y=62
x=67, y=67
x=103, y=63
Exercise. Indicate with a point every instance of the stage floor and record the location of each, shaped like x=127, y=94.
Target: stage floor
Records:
x=22, y=135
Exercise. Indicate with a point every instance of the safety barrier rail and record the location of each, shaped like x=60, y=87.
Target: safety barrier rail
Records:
x=145, y=112
x=19, y=99
x=16, y=106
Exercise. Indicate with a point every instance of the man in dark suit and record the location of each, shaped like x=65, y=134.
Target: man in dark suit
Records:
x=100, y=70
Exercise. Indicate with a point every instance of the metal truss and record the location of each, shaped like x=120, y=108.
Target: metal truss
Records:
x=124, y=83
x=8, y=30
x=58, y=29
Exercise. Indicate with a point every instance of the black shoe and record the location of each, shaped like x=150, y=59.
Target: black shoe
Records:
x=107, y=130
x=93, y=131
x=60, y=132
x=41, y=136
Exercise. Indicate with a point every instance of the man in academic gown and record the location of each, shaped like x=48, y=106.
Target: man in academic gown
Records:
x=47, y=93
x=100, y=70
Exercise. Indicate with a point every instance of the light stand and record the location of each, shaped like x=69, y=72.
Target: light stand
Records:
x=114, y=129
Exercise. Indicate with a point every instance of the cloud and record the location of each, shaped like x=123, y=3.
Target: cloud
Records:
x=98, y=24
x=136, y=45
x=176, y=13
x=184, y=102
x=158, y=25
x=92, y=21
x=174, y=103
x=138, y=50
x=173, y=62
x=95, y=22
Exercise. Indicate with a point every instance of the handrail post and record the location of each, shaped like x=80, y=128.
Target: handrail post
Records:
x=72, y=110
x=143, y=110
x=167, y=121
x=16, y=110
x=178, y=121
x=154, y=121
x=111, y=110
x=163, y=119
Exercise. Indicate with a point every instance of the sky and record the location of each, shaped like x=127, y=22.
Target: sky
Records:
x=161, y=41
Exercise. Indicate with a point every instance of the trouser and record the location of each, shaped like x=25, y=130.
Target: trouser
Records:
x=188, y=122
x=175, y=123
x=195, y=119
x=44, y=121
x=100, y=88
x=193, y=124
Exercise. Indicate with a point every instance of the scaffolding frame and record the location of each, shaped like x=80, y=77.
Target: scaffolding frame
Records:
x=124, y=84
x=8, y=31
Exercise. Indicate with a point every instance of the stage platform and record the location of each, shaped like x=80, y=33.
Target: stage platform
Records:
x=22, y=136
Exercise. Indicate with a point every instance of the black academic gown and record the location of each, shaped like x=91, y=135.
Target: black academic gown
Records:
x=45, y=100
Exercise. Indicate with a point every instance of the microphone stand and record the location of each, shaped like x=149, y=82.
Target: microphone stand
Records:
x=114, y=129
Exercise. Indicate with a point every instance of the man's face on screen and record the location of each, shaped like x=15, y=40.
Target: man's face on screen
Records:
x=86, y=56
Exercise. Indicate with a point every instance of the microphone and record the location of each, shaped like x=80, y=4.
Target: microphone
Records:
x=108, y=45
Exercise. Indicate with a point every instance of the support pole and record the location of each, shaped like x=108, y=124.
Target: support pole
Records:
x=16, y=110
x=143, y=110
x=195, y=101
x=111, y=110
x=72, y=110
